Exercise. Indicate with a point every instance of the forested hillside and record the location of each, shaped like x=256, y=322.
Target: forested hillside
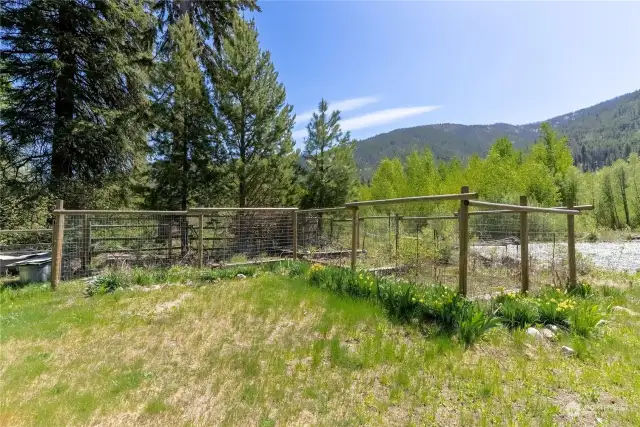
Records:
x=597, y=135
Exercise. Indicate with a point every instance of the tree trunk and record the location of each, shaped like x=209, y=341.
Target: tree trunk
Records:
x=622, y=181
x=62, y=143
x=184, y=231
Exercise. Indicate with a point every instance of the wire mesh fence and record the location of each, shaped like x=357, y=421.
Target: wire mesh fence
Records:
x=324, y=235
x=15, y=244
x=213, y=237
x=420, y=242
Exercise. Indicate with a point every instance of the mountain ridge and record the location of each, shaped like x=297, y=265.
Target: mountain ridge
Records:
x=598, y=135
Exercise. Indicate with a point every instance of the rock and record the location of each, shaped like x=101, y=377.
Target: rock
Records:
x=553, y=328
x=572, y=410
x=619, y=309
x=568, y=351
x=601, y=322
x=548, y=334
x=241, y=276
x=533, y=332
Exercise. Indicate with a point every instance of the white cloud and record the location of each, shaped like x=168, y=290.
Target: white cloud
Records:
x=385, y=116
x=344, y=105
x=299, y=135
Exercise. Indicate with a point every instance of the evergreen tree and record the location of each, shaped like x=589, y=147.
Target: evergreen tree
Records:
x=330, y=177
x=254, y=120
x=75, y=115
x=185, y=156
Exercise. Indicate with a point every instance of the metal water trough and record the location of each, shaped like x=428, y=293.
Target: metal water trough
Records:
x=34, y=269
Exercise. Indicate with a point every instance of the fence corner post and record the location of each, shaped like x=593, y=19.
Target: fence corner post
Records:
x=463, y=234
x=201, y=241
x=524, y=246
x=354, y=237
x=58, y=240
x=294, y=230
x=571, y=246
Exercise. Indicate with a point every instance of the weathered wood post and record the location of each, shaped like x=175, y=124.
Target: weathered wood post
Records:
x=294, y=227
x=524, y=246
x=86, y=243
x=58, y=240
x=571, y=246
x=201, y=241
x=463, y=234
x=354, y=236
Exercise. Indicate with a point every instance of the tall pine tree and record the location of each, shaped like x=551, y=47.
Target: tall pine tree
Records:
x=330, y=175
x=254, y=120
x=184, y=154
x=75, y=111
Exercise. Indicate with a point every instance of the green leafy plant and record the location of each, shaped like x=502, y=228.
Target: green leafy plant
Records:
x=473, y=322
x=581, y=289
x=517, y=312
x=584, y=318
x=106, y=283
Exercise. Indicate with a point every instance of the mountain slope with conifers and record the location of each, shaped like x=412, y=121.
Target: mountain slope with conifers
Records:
x=598, y=135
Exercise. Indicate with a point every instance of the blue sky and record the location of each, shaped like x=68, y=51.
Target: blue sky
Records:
x=392, y=64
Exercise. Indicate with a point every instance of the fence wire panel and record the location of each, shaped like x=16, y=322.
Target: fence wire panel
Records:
x=377, y=241
x=548, y=250
x=93, y=242
x=244, y=236
x=325, y=237
x=494, y=253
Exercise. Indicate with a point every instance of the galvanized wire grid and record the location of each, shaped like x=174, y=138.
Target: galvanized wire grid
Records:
x=93, y=242
x=325, y=237
x=495, y=251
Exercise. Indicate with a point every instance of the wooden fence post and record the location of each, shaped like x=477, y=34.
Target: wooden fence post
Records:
x=86, y=243
x=571, y=246
x=58, y=240
x=354, y=237
x=294, y=227
x=524, y=246
x=201, y=241
x=463, y=234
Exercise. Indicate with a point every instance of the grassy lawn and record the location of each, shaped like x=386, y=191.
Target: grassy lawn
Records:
x=272, y=351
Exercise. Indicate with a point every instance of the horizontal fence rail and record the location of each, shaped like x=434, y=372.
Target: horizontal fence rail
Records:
x=417, y=239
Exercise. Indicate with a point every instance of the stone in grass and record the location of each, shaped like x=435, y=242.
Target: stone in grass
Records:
x=619, y=309
x=533, y=332
x=548, y=334
x=553, y=328
x=601, y=322
x=241, y=276
x=568, y=351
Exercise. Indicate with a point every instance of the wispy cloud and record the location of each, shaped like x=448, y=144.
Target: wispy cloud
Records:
x=299, y=135
x=385, y=116
x=344, y=105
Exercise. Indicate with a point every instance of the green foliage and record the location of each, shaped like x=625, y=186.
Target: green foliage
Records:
x=254, y=120
x=473, y=322
x=330, y=176
x=581, y=289
x=74, y=119
x=105, y=284
x=517, y=311
x=584, y=318
x=184, y=154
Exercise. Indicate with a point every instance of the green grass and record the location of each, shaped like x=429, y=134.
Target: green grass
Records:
x=273, y=350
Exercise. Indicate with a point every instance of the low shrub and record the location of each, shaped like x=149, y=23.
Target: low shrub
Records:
x=106, y=283
x=298, y=268
x=517, y=311
x=473, y=322
x=584, y=318
x=581, y=289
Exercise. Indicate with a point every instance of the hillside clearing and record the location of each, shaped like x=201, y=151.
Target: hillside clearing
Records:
x=274, y=351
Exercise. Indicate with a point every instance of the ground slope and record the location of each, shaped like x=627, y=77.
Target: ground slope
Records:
x=273, y=351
